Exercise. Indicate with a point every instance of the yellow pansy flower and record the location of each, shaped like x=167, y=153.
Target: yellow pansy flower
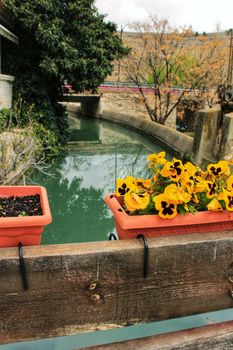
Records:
x=212, y=189
x=187, y=184
x=201, y=173
x=214, y=205
x=190, y=169
x=219, y=168
x=166, y=209
x=123, y=186
x=174, y=170
x=228, y=199
x=177, y=195
x=141, y=183
x=230, y=183
x=225, y=165
x=131, y=179
x=220, y=196
x=156, y=158
x=177, y=187
x=136, y=201
x=200, y=185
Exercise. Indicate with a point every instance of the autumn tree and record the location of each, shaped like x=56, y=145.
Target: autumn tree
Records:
x=163, y=57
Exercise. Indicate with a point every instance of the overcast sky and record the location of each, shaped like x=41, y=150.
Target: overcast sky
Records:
x=203, y=15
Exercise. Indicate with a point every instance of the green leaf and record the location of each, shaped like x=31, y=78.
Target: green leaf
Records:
x=23, y=213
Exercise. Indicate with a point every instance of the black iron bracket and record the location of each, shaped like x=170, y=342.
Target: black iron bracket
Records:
x=22, y=266
x=146, y=255
x=112, y=237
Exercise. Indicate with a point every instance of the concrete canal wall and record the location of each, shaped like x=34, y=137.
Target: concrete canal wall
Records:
x=179, y=143
x=212, y=141
x=170, y=138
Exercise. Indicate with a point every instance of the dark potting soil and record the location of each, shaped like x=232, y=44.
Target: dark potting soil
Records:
x=20, y=206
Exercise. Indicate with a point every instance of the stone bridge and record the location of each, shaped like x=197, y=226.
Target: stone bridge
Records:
x=90, y=104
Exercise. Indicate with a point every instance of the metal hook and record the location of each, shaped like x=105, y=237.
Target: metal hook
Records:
x=146, y=255
x=22, y=266
x=112, y=237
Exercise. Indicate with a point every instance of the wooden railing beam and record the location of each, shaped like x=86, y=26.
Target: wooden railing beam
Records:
x=87, y=286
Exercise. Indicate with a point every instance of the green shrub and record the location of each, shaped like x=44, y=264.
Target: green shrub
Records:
x=58, y=40
x=5, y=115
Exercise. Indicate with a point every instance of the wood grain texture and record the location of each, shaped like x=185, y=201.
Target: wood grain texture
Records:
x=212, y=337
x=82, y=287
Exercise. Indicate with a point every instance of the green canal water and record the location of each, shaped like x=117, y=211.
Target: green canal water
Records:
x=99, y=153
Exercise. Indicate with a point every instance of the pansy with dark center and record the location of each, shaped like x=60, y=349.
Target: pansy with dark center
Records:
x=230, y=183
x=175, y=188
x=230, y=201
x=212, y=189
x=227, y=196
x=123, y=189
x=125, y=185
x=177, y=168
x=174, y=170
x=168, y=209
x=219, y=169
x=216, y=171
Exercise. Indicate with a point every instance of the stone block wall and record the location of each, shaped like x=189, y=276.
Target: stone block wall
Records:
x=17, y=153
x=207, y=136
x=213, y=139
x=226, y=149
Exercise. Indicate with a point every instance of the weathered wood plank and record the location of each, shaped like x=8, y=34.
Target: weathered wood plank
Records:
x=82, y=287
x=212, y=337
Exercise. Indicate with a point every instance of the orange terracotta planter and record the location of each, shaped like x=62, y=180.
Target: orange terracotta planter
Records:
x=24, y=229
x=130, y=226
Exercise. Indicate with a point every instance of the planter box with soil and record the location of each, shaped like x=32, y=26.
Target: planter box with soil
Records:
x=130, y=226
x=24, y=211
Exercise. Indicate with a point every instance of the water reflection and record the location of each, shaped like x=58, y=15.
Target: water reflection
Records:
x=77, y=211
x=81, y=130
x=84, y=174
